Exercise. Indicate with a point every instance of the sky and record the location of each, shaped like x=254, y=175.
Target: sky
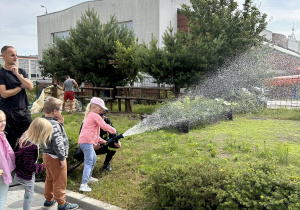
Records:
x=18, y=19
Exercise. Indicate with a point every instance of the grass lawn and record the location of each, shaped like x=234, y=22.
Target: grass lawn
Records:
x=271, y=135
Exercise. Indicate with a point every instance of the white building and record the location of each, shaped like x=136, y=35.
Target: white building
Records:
x=146, y=17
x=29, y=64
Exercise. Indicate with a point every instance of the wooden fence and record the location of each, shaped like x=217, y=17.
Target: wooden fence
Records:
x=129, y=93
x=126, y=93
x=86, y=93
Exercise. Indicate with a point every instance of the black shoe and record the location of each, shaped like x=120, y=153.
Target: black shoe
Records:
x=49, y=204
x=107, y=167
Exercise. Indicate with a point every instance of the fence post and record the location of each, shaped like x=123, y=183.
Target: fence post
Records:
x=129, y=100
x=82, y=94
x=111, y=100
x=126, y=100
x=119, y=100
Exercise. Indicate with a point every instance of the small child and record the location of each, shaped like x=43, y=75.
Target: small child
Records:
x=7, y=161
x=89, y=139
x=27, y=152
x=55, y=157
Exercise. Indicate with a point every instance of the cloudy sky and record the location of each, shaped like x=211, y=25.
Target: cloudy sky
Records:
x=18, y=19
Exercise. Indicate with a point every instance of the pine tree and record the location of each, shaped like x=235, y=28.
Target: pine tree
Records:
x=90, y=48
x=238, y=29
x=124, y=60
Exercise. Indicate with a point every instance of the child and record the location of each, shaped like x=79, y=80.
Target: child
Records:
x=7, y=161
x=54, y=157
x=109, y=149
x=27, y=152
x=89, y=138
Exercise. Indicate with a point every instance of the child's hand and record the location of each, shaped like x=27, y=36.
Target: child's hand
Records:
x=97, y=146
x=1, y=172
x=60, y=119
x=63, y=163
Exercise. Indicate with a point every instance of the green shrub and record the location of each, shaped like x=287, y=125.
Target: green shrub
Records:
x=190, y=187
x=260, y=186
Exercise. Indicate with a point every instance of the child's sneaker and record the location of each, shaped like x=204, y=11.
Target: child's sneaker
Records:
x=68, y=206
x=85, y=188
x=49, y=204
x=92, y=180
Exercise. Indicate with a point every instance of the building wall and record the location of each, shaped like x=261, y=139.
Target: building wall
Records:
x=149, y=18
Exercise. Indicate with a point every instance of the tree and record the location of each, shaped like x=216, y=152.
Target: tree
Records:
x=181, y=62
x=90, y=48
x=239, y=29
x=53, y=64
x=124, y=60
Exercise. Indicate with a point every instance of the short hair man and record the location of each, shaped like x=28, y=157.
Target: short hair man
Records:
x=68, y=87
x=13, y=100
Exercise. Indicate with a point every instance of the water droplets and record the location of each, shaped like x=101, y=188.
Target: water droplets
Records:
x=236, y=88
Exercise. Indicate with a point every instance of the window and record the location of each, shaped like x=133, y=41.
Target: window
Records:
x=127, y=23
x=24, y=64
x=34, y=69
x=1, y=61
x=62, y=35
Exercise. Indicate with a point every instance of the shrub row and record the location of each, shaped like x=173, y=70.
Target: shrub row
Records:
x=208, y=186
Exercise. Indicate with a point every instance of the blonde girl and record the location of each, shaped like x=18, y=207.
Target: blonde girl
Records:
x=39, y=132
x=89, y=139
x=7, y=161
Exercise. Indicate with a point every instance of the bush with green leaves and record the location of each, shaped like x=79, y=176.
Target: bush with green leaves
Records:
x=260, y=186
x=191, y=187
x=207, y=186
x=248, y=100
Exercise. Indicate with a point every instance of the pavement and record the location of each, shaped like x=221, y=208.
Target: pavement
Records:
x=15, y=197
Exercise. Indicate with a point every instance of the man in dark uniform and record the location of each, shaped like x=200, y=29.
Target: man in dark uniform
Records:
x=110, y=149
x=13, y=100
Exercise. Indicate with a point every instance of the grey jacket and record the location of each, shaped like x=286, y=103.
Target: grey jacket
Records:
x=59, y=144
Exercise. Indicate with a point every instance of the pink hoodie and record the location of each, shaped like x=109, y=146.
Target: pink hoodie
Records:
x=7, y=157
x=91, y=129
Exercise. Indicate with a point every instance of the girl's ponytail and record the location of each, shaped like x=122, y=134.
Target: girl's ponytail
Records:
x=87, y=110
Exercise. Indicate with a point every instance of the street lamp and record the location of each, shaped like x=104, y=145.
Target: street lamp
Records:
x=45, y=8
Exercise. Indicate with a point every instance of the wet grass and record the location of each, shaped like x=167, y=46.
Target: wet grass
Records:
x=268, y=135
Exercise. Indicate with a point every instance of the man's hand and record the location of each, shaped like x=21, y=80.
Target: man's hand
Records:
x=118, y=145
x=14, y=69
x=1, y=172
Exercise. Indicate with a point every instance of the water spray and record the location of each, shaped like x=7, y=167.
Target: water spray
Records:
x=235, y=88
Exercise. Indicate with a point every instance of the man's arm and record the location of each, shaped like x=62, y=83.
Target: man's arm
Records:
x=26, y=83
x=8, y=93
x=75, y=83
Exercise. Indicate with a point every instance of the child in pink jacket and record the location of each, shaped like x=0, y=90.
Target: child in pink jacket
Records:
x=7, y=162
x=89, y=138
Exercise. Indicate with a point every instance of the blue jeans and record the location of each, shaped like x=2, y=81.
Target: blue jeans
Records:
x=29, y=192
x=3, y=193
x=90, y=159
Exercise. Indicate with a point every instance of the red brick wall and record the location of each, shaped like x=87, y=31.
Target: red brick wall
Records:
x=182, y=22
